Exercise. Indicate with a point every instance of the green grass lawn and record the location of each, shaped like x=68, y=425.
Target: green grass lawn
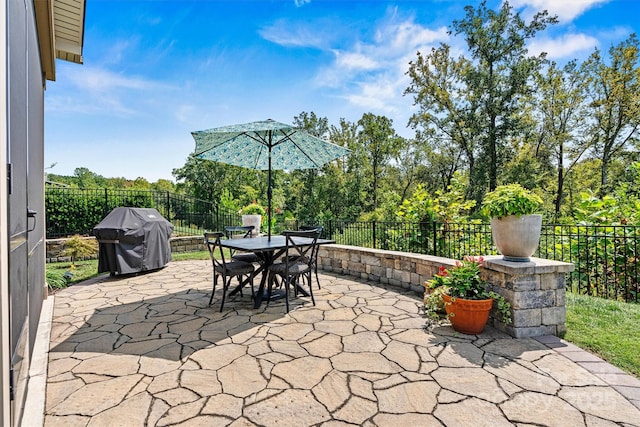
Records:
x=609, y=329
x=83, y=270
x=63, y=274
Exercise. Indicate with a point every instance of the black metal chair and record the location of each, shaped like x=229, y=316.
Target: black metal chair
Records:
x=244, y=232
x=314, y=258
x=296, y=263
x=227, y=269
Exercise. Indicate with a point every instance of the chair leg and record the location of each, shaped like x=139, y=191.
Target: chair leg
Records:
x=252, y=291
x=286, y=290
x=317, y=278
x=215, y=281
x=225, y=287
x=311, y=287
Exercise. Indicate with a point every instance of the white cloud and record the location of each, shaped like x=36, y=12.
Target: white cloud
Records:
x=300, y=3
x=355, y=61
x=102, y=80
x=565, y=46
x=370, y=74
x=96, y=91
x=566, y=10
x=286, y=33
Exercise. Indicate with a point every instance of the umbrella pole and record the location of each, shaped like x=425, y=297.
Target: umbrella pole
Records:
x=269, y=192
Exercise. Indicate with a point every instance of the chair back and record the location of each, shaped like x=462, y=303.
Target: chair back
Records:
x=233, y=231
x=313, y=227
x=244, y=231
x=298, y=248
x=212, y=241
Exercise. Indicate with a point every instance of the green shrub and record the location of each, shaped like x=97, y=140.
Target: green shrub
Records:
x=253, y=209
x=55, y=279
x=77, y=247
x=512, y=199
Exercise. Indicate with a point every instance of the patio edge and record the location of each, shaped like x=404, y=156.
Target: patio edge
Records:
x=37, y=386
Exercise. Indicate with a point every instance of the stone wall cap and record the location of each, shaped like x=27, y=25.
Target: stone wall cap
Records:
x=533, y=266
x=392, y=254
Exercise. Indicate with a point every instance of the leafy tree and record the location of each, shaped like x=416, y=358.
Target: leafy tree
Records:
x=445, y=113
x=87, y=179
x=163, y=185
x=348, y=196
x=206, y=180
x=476, y=104
x=378, y=144
x=141, y=183
x=78, y=247
x=614, y=94
x=310, y=200
x=562, y=121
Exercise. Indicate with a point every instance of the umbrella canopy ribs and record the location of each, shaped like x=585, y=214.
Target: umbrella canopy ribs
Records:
x=265, y=145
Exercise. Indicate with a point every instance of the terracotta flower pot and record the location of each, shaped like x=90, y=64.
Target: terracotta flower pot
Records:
x=467, y=316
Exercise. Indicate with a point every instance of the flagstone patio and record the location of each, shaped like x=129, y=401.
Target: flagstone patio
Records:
x=147, y=350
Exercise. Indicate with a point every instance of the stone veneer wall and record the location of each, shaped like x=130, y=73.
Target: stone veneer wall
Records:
x=178, y=244
x=535, y=289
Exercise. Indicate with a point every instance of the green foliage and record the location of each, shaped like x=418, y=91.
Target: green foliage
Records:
x=81, y=210
x=253, y=209
x=77, y=247
x=622, y=208
x=451, y=205
x=511, y=199
x=83, y=270
x=378, y=145
x=475, y=104
x=417, y=208
x=55, y=279
x=614, y=89
x=464, y=280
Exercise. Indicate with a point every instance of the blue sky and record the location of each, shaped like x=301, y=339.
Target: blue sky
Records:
x=156, y=70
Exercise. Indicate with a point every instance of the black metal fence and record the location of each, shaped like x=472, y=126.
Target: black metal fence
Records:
x=76, y=211
x=605, y=257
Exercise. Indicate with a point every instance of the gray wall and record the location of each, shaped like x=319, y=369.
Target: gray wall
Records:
x=25, y=121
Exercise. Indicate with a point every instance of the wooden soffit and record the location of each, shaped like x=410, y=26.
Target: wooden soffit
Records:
x=60, y=32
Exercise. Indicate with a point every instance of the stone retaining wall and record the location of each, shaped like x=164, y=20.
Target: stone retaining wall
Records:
x=535, y=289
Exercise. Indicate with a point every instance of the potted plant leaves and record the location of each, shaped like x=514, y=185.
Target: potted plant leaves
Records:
x=465, y=296
x=515, y=222
x=252, y=215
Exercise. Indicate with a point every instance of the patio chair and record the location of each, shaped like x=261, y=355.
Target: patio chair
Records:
x=314, y=258
x=227, y=269
x=296, y=264
x=244, y=232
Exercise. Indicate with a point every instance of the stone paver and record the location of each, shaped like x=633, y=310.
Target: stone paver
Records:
x=147, y=350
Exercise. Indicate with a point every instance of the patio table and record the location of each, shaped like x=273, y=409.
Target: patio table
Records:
x=268, y=250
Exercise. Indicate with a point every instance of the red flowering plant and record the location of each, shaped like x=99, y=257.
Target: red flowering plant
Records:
x=463, y=280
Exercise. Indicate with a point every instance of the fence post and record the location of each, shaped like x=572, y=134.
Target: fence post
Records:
x=373, y=226
x=106, y=202
x=168, y=213
x=434, y=236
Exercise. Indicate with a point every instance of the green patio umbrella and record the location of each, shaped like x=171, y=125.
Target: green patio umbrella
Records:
x=265, y=145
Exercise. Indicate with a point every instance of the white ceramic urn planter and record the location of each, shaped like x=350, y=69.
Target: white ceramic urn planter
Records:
x=254, y=220
x=516, y=237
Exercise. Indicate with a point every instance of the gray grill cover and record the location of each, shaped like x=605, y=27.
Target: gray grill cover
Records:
x=133, y=240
